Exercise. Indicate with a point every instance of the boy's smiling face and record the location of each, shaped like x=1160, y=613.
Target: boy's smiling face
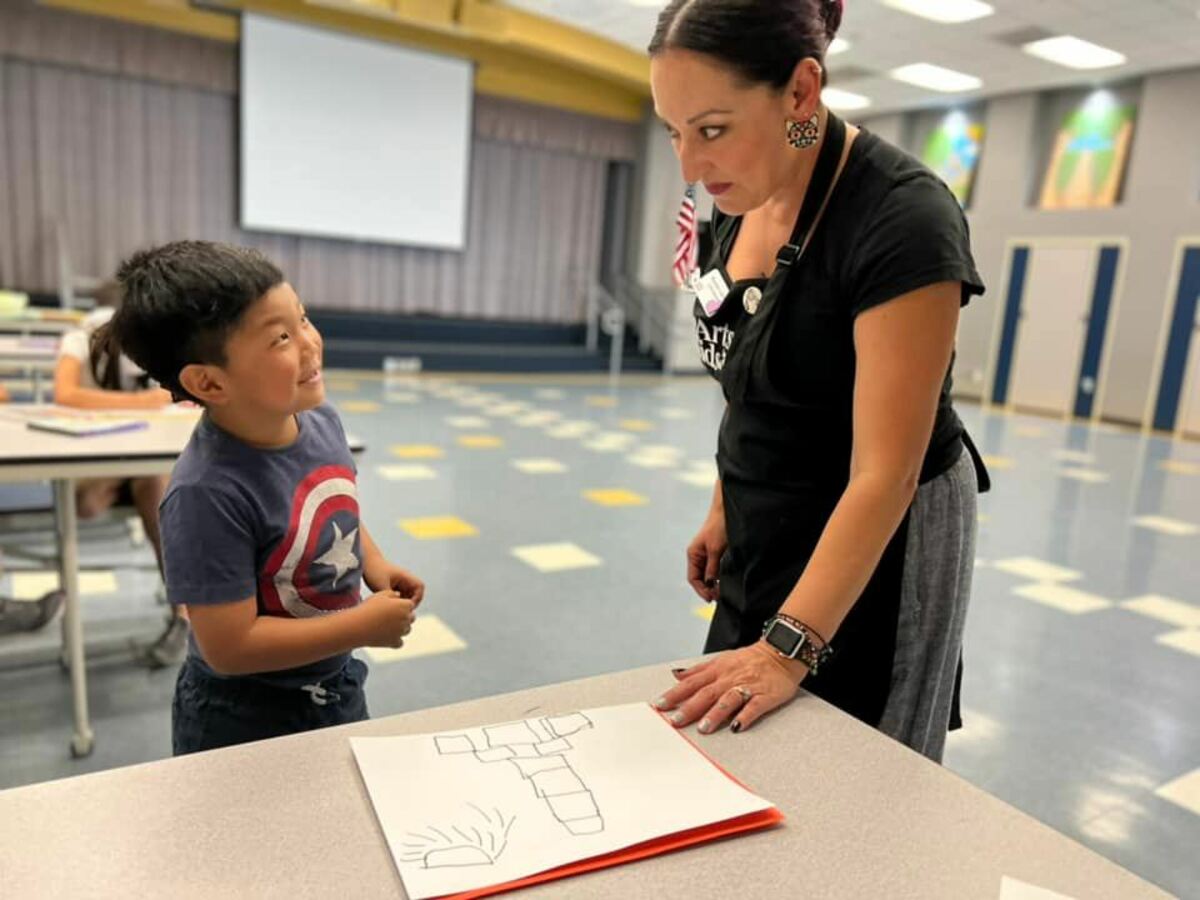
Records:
x=273, y=359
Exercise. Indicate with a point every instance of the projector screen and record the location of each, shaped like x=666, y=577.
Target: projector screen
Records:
x=350, y=138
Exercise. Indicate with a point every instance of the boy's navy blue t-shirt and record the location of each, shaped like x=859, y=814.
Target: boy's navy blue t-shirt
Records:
x=280, y=525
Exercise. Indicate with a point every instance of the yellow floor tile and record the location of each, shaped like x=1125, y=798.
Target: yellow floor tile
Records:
x=636, y=425
x=1179, y=467
x=406, y=473
x=1065, y=599
x=1173, y=612
x=341, y=387
x=1186, y=641
x=601, y=402
x=480, y=441
x=1163, y=525
x=416, y=451
x=1036, y=569
x=999, y=462
x=359, y=406
x=560, y=557
x=432, y=528
x=1028, y=431
x=1184, y=791
x=430, y=636
x=705, y=611
x=615, y=497
x=539, y=466
x=32, y=585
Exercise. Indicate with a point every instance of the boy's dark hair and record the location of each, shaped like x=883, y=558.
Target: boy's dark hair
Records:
x=179, y=303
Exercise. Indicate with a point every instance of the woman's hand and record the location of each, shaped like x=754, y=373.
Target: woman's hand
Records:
x=742, y=685
x=704, y=556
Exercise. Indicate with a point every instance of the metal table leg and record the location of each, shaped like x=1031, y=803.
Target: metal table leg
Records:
x=82, y=741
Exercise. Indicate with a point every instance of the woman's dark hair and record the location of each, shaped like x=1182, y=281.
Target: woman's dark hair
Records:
x=760, y=40
x=104, y=357
x=181, y=301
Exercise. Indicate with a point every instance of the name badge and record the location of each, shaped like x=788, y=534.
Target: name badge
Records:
x=711, y=291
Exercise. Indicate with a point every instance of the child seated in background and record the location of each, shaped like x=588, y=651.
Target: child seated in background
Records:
x=90, y=374
x=261, y=533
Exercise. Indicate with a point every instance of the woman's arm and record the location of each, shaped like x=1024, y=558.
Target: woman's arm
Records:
x=903, y=349
x=68, y=391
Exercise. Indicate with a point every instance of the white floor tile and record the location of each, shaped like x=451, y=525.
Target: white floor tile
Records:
x=560, y=557
x=32, y=585
x=1183, y=791
x=698, y=479
x=1186, y=641
x=537, y=418
x=1035, y=569
x=1164, y=525
x=467, y=422
x=1173, y=612
x=676, y=413
x=406, y=473
x=1074, y=456
x=548, y=394
x=430, y=636
x=1088, y=476
x=539, y=466
x=1065, y=599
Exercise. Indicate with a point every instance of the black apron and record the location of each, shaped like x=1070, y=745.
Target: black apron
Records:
x=781, y=481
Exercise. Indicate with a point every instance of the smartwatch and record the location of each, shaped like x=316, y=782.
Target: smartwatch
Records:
x=792, y=640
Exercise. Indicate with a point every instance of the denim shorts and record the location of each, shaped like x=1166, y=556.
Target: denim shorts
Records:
x=210, y=712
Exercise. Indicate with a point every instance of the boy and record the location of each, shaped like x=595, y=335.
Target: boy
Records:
x=261, y=537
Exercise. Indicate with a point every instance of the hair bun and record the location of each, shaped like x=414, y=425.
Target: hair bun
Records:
x=832, y=12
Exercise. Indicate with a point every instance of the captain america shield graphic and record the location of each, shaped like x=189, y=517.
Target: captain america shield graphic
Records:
x=316, y=568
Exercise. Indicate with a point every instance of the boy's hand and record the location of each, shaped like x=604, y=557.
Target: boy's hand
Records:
x=405, y=583
x=390, y=619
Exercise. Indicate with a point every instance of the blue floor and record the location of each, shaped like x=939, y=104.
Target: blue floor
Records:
x=1082, y=685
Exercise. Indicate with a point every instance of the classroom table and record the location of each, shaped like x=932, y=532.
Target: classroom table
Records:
x=34, y=321
x=35, y=355
x=290, y=817
x=28, y=455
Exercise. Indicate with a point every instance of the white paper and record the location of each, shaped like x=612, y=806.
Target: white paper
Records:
x=712, y=291
x=469, y=808
x=1015, y=889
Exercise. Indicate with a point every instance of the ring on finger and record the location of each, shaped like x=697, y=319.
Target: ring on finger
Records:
x=744, y=692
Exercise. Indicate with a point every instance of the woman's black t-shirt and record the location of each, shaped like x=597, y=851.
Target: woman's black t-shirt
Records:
x=891, y=227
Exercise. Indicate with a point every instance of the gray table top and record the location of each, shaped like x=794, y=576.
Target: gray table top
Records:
x=291, y=818
x=30, y=455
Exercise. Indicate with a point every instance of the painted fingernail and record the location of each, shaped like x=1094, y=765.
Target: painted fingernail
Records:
x=676, y=718
x=735, y=727
x=678, y=672
x=705, y=726
x=661, y=703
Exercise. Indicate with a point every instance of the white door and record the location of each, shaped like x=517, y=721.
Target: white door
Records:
x=1054, y=309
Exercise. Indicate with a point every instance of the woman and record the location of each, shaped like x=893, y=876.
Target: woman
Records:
x=89, y=375
x=843, y=521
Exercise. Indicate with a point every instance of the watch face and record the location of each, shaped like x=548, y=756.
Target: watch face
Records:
x=784, y=638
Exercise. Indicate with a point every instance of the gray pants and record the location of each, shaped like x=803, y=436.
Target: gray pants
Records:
x=938, y=564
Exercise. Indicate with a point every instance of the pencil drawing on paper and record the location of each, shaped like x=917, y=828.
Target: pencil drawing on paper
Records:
x=479, y=840
x=537, y=748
